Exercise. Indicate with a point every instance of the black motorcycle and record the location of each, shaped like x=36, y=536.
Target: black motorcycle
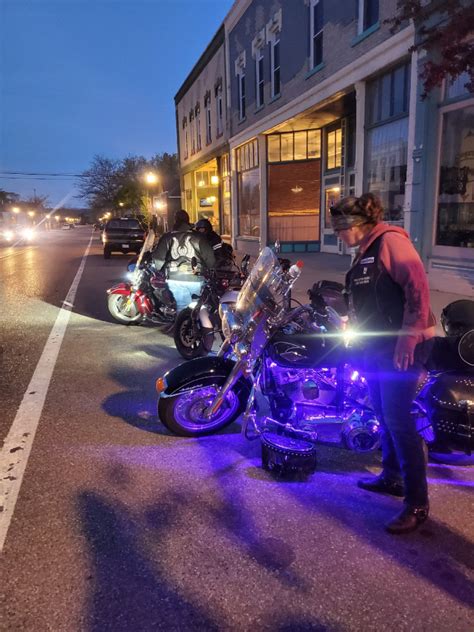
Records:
x=198, y=324
x=293, y=372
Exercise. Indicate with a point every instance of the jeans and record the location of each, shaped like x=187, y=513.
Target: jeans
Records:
x=392, y=393
x=183, y=291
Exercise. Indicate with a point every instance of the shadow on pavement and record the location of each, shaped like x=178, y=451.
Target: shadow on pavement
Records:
x=129, y=592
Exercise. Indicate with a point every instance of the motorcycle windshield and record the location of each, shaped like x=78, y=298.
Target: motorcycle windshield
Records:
x=264, y=289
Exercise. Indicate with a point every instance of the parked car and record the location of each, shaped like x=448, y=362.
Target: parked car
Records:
x=122, y=235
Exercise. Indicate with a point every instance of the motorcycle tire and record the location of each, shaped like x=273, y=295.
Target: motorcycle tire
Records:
x=183, y=414
x=187, y=344
x=116, y=304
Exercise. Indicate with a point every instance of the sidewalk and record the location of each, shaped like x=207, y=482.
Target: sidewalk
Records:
x=322, y=265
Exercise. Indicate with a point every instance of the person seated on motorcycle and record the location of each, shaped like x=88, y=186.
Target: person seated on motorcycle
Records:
x=181, y=221
x=173, y=255
x=389, y=299
x=222, y=250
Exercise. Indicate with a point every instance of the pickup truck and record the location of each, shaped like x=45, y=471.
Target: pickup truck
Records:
x=122, y=235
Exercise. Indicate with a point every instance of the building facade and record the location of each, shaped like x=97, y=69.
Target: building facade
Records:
x=203, y=139
x=324, y=101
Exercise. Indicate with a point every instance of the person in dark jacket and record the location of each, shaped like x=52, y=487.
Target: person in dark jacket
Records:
x=173, y=256
x=181, y=221
x=389, y=302
x=222, y=251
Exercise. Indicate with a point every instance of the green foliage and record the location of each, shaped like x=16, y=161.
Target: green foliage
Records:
x=445, y=30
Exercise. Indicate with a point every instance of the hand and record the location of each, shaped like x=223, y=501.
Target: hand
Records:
x=403, y=357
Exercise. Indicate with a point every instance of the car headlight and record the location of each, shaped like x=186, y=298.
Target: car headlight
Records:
x=9, y=235
x=28, y=233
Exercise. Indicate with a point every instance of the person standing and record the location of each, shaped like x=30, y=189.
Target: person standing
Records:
x=389, y=304
x=173, y=255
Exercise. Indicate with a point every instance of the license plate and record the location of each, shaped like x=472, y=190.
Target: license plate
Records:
x=125, y=245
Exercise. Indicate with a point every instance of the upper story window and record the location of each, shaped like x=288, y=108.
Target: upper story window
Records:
x=259, y=79
x=368, y=14
x=186, y=139
x=193, y=134
x=389, y=95
x=275, y=66
x=240, y=63
x=219, y=108
x=273, y=30
x=207, y=107
x=316, y=16
x=197, y=121
x=457, y=87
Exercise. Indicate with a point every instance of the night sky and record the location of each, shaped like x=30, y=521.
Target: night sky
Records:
x=86, y=77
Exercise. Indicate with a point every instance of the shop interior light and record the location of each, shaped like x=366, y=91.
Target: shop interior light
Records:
x=215, y=180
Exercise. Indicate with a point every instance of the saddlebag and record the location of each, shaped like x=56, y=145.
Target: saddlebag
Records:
x=450, y=407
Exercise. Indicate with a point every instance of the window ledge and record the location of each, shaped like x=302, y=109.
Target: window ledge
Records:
x=260, y=108
x=366, y=33
x=275, y=98
x=314, y=70
x=242, y=120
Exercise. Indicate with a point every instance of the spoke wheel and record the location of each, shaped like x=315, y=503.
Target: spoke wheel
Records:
x=123, y=309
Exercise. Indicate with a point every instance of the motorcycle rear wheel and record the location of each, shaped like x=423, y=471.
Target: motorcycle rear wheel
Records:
x=183, y=414
x=123, y=309
x=187, y=339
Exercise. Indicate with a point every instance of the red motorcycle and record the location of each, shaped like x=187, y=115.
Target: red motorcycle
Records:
x=145, y=298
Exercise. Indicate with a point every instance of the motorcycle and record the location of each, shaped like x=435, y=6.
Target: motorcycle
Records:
x=197, y=325
x=293, y=373
x=146, y=298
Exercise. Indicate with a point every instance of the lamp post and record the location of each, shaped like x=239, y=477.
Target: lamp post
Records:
x=151, y=180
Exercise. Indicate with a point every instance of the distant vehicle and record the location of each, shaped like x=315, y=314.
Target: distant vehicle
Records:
x=67, y=226
x=17, y=234
x=122, y=235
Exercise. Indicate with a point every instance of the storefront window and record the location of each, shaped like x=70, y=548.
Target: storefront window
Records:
x=248, y=189
x=455, y=222
x=302, y=145
x=226, y=197
x=334, y=149
x=386, y=150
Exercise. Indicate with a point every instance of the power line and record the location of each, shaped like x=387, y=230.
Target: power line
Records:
x=34, y=173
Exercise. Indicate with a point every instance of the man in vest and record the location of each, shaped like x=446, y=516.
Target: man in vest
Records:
x=389, y=302
x=173, y=256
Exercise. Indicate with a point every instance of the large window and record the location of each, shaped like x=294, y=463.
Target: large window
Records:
x=193, y=134
x=259, y=78
x=226, y=195
x=455, y=221
x=185, y=139
x=275, y=64
x=387, y=140
x=303, y=145
x=316, y=10
x=248, y=189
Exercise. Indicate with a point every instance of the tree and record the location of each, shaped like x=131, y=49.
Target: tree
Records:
x=8, y=197
x=99, y=184
x=445, y=30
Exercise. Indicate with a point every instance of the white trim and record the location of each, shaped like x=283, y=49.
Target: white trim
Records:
x=273, y=44
x=262, y=165
x=258, y=42
x=360, y=90
x=385, y=54
x=240, y=63
x=259, y=57
x=273, y=27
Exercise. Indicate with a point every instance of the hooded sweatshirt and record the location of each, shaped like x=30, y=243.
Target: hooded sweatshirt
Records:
x=406, y=287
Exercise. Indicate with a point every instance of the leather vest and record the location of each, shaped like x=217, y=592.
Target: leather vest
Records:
x=376, y=302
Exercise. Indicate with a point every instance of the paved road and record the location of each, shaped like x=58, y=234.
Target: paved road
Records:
x=119, y=526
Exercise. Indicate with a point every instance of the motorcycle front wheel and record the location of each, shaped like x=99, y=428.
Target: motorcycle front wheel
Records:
x=184, y=414
x=187, y=337
x=123, y=309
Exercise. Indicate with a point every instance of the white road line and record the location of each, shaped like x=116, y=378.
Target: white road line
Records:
x=17, y=446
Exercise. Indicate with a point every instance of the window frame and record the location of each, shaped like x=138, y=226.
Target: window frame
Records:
x=275, y=70
x=186, y=139
x=312, y=9
x=241, y=94
x=207, y=104
x=362, y=13
x=259, y=78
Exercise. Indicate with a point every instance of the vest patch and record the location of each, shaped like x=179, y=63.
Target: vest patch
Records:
x=367, y=260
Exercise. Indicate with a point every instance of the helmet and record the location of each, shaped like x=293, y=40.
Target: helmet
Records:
x=457, y=318
x=203, y=225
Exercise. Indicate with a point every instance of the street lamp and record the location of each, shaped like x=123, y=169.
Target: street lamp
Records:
x=151, y=178
x=31, y=213
x=15, y=209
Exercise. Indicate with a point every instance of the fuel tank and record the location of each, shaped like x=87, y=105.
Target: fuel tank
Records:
x=308, y=350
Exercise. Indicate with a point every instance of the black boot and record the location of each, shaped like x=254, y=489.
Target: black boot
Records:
x=407, y=520
x=381, y=485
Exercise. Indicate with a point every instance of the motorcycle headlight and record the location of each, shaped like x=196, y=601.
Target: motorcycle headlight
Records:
x=28, y=233
x=349, y=335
